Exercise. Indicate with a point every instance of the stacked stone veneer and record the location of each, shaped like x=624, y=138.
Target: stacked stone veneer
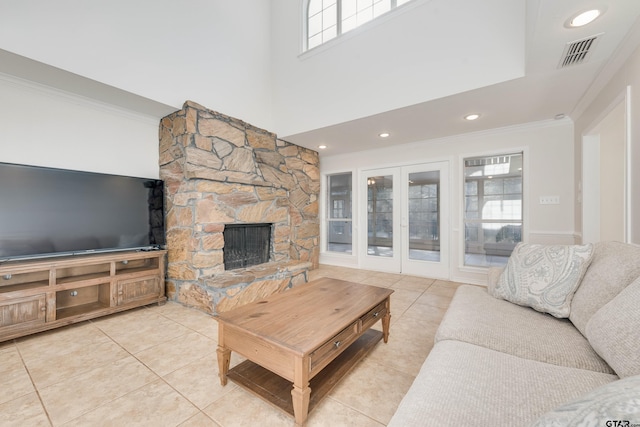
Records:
x=219, y=170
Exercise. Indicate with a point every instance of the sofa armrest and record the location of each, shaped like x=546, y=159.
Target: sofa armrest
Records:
x=492, y=278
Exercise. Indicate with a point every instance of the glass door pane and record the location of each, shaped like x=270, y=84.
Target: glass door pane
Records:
x=425, y=219
x=380, y=216
x=424, y=215
x=380, y=239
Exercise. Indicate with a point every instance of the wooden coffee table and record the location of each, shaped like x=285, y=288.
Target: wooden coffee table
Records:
x=311, y=336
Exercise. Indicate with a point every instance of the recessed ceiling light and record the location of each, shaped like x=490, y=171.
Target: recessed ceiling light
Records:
x=322, y=147
x=471, y=116
x=583, y=18
x=384, y=135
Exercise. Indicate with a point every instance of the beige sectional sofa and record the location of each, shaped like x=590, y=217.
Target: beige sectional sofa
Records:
x=495, y=363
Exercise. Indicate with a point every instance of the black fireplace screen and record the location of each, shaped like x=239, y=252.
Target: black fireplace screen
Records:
x=246, y=245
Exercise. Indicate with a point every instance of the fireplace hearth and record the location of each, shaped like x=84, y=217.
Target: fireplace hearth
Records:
x=246, y=245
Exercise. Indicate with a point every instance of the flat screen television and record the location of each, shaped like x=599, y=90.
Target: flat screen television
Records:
x=47, y=212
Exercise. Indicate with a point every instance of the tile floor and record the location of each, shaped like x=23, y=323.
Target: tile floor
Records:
x=156, y=366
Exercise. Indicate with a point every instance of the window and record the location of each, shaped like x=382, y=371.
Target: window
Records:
x=493, y=208
x=327, y=19
x=339, y=236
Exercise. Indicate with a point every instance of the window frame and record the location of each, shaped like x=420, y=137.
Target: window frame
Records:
x=305, y=48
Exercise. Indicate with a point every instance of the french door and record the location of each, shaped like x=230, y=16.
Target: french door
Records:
x=406, y=219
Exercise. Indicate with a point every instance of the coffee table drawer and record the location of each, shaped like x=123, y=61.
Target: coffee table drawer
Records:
x=328, y=351
x=374, y=315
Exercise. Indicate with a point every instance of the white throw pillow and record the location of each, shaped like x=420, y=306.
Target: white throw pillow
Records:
x=613, y=404
x=544, y=277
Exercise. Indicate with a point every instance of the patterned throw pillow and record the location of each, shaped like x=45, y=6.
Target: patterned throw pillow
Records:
x=613, y=404
x=544, y=277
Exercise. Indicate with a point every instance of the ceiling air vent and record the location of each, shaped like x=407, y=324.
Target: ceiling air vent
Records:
x=579, y=51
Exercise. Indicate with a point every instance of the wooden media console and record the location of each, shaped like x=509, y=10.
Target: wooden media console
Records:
x=38, y=295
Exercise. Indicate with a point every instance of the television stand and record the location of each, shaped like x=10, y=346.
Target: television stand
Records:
x=39, y=295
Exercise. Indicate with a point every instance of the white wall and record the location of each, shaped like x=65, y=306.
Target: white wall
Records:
x=548, y=171
x=613, y=91
x=214, y=52
x=242, y=58
x=44, y=127
x=411, y=55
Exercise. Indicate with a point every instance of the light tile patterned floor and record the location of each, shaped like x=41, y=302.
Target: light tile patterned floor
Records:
x=156, y=366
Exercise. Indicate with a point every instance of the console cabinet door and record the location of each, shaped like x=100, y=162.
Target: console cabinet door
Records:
x=134, y=290
x=23, y=312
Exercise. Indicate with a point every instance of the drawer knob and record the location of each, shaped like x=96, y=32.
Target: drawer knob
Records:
x=337, y=344
x=376, y=314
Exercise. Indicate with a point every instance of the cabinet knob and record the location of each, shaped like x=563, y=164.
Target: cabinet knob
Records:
x=337, y=344
x=376, y=314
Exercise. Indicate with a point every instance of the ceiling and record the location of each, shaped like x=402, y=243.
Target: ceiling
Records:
x=545, y=91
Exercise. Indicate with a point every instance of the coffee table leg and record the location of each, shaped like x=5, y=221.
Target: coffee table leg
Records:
x=300, y=398
x=301, y=392
x=224, y=358
x=386, y=320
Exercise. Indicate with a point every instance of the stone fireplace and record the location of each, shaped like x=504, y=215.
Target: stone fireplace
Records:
x=220, y=171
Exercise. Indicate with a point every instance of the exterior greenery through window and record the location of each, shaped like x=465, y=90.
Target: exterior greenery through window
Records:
x=327, y=19
x=339, y=235
x=493, y=208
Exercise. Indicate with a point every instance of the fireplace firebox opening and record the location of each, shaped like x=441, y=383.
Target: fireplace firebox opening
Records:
x=246, y=245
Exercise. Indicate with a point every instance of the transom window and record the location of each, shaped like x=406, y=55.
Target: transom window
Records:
x=327, y=19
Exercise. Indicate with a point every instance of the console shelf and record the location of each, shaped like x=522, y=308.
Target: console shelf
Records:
x=81, y=278
x=39, y=295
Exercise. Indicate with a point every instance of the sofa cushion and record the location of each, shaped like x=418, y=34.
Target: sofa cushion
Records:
x=544, y=277
x=613, y=267
x=619, y=400
x=476, y=317
x=614, y=331
x=464, y=384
